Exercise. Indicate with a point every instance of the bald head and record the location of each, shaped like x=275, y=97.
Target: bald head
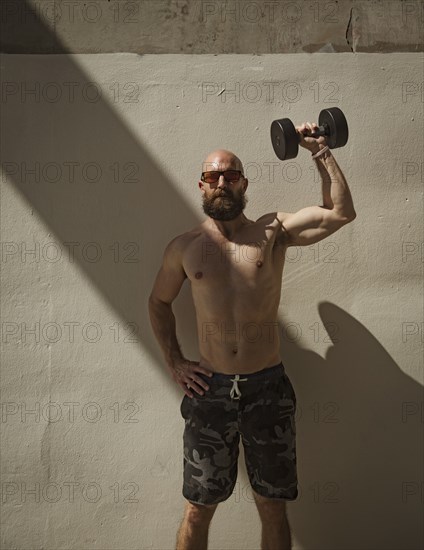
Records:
x=221, y=159
x=223, y=200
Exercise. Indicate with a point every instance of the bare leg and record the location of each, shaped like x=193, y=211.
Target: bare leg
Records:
x=275, y=526
x=194, y=530
x=276, y=536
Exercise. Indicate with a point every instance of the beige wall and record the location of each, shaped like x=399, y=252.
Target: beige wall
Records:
x=137, y=157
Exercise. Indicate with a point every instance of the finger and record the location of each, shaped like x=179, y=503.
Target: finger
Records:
x=201, y=382
x=195, y=388
x=205, y=371
x=314, y=128
x=307, y=129
x=186, y=391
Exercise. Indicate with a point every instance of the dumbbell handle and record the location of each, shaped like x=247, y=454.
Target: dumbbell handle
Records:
x=321, y=131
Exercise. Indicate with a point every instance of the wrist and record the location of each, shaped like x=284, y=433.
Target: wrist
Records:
x=173, y=360
x=317, y=148
x=322, y=153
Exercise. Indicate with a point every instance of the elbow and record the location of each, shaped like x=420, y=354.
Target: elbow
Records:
x=348, y=217
x=154, y=301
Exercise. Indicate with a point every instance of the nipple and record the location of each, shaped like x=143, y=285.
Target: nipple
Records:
x=199, y=275
x=259, y=263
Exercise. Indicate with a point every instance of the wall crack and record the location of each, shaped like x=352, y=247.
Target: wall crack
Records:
x=349, y=32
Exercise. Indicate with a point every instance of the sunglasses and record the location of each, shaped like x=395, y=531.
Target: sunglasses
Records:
x=212, y=177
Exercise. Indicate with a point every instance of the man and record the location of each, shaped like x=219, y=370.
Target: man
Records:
x=239, y=387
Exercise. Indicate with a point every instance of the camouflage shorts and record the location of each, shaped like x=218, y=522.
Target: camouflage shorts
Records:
x=260, y=407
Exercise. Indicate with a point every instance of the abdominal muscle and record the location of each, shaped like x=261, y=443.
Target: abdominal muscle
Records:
x=225, y=360
x=236, y=302
x=239, y=345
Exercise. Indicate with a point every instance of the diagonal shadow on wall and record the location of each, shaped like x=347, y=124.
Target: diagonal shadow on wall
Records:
x=357, y=434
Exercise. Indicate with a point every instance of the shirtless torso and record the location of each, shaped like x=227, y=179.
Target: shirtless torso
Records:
x=235, y=268
x=236, y=286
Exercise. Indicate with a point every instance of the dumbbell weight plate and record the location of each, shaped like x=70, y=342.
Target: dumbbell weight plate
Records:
x=285, y=139
x=337, y=124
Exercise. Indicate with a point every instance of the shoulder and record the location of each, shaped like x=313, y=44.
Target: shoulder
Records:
x=276, y=217
x=276, y=220
x=179, y=244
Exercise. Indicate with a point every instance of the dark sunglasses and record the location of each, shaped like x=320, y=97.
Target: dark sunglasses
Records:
x=213, y=176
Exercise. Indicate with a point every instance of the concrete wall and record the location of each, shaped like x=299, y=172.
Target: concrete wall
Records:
x=211, y=26
x=360, y=463
x=100, y=160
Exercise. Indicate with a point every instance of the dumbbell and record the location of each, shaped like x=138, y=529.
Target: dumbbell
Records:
x=332, y=125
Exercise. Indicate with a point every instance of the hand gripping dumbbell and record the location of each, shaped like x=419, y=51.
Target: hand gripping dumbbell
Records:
x=332, y=124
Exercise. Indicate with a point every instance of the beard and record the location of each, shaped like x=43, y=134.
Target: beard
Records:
x=224, y=208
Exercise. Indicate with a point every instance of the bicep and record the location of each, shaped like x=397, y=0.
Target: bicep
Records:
x=171, y=275
x=310, y=225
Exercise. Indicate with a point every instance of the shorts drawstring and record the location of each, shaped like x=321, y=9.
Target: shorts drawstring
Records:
x=235, y=389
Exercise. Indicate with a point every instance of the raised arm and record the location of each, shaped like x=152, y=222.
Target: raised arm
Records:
x=314, y=223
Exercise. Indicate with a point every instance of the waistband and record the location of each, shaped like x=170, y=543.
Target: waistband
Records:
x=271, y=372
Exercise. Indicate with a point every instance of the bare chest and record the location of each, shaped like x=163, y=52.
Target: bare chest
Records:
x=242, y=262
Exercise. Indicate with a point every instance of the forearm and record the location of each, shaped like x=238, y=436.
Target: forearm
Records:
x=335, y=190
x=163, y=323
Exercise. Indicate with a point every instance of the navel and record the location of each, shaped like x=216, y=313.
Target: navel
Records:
x=235, y=350
x=199, y=275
